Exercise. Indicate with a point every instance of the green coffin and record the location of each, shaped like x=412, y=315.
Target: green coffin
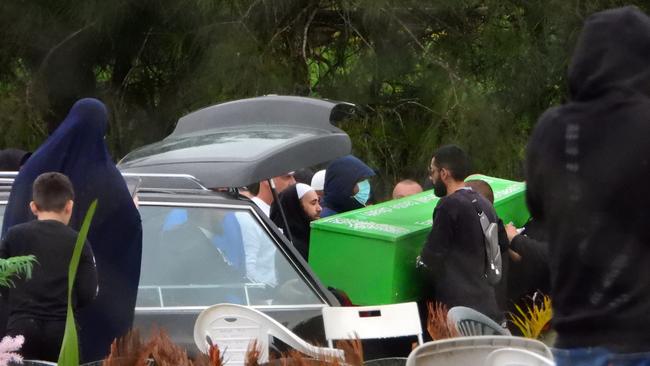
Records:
x=370, y=253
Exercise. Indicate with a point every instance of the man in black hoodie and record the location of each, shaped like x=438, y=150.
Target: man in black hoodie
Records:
x=583, y=162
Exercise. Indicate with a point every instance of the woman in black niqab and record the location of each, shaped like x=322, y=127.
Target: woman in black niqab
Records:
x=77, y=149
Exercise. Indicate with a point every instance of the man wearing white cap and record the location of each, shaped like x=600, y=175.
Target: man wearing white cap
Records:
x=318, y=182
x=300, y=205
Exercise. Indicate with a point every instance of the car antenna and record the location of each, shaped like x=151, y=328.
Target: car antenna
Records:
x=287, y=231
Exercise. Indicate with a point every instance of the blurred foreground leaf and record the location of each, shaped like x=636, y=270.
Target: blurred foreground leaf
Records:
x=69, y=355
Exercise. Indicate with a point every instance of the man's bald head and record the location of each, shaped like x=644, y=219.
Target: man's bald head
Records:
x=405, y=188
x=481, y=187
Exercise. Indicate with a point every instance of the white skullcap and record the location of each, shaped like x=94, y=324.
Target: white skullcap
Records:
x=301, y=189
x=318, y=180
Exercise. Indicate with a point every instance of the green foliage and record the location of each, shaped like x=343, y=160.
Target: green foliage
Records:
x=69, y=354
x=473, y=72
x=535, y=319
x=15, y=266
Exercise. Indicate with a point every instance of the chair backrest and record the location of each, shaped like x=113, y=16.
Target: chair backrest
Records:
x=472, y=350
x=470, y=322
x=365, y=322
x=233, y=327
x=516, y=357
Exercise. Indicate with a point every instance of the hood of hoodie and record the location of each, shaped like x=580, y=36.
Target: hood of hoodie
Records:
x=340, y=178
x=612, y=53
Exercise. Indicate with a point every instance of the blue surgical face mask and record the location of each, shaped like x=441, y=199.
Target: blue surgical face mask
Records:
x=364, y=192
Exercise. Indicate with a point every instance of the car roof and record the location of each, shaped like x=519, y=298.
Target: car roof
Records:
x=238, y=143
x=164, y=187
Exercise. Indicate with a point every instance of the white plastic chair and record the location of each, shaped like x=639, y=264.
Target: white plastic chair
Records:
x=516, y=357
x=367, y=322
x=470, y=322
x=232, y=328
x=473, y=350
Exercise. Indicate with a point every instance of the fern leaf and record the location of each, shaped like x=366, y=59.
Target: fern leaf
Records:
x=20, y=266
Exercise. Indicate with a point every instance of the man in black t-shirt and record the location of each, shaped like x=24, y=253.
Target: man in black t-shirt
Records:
x=455, y=251
x=38, y=306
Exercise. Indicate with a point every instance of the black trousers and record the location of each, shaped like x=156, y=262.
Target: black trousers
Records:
x=42, y=337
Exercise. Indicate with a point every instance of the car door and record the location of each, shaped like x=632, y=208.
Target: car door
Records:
x=186, y=269
x=199, y=254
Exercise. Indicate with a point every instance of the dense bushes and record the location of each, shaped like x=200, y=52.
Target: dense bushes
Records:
x=477, y=73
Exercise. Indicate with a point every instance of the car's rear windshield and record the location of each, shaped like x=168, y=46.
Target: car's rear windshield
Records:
x=226, y=145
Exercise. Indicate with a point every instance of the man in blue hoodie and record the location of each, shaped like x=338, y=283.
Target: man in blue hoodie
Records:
x=346, y=186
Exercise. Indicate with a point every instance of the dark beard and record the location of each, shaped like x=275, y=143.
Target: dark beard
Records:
x=439, y=188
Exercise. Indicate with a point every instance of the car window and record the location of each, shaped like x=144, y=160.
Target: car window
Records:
x=194, y=256
x=199, y=256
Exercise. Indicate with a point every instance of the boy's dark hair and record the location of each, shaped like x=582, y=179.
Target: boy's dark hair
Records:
x=454, y=159
x=481, y=187
x=51, y=191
